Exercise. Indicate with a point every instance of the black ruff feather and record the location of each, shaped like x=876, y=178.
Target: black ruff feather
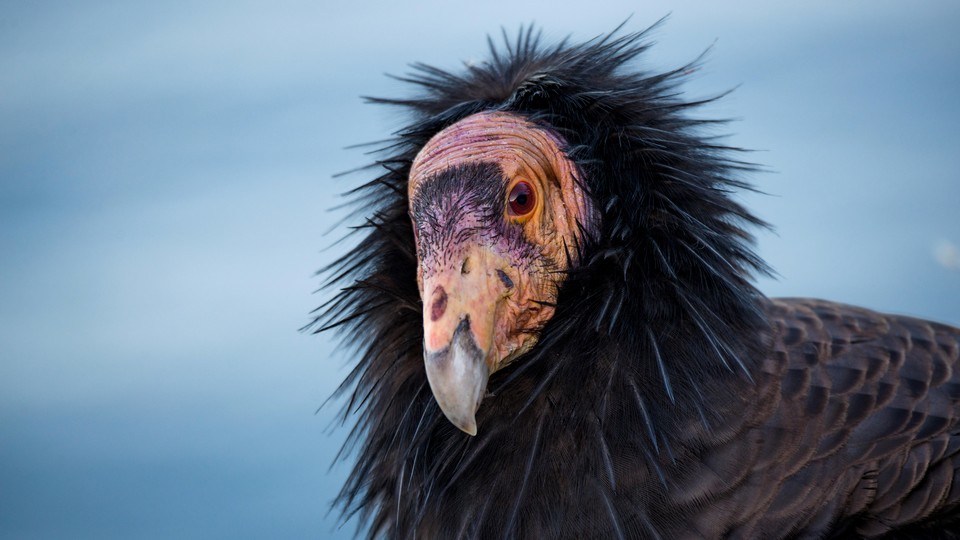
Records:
x=589, y=434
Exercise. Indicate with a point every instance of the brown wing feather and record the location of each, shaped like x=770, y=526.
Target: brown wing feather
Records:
x=865, y=400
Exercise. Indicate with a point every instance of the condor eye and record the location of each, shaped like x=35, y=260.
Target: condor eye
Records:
x=522, y=199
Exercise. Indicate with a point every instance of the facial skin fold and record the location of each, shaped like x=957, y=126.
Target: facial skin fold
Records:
x=489, y=266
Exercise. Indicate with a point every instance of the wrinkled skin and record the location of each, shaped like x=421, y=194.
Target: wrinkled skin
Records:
x=488, y=276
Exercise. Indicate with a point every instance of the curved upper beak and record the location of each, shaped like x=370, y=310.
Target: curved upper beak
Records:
x=458, y=376
x=459, y=323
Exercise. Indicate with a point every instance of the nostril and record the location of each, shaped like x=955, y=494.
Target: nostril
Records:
x=439, y=304
x=505, y=278
x=465, y=267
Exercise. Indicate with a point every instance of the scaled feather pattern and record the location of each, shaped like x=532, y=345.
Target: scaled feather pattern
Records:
x=666, y=397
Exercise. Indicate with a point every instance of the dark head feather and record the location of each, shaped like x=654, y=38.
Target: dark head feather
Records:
x=660, y=310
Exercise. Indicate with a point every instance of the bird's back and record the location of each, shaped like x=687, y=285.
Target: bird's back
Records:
x=851, y=427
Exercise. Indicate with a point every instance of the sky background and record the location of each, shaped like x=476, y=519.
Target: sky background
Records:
x=165, y=179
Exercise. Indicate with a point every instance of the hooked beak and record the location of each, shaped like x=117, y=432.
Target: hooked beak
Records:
x=458, y=376
x=461, y=305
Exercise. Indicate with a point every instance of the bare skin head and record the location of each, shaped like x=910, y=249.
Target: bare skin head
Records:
x=497, y=209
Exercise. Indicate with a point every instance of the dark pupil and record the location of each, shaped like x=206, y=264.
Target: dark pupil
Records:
x=521, y=199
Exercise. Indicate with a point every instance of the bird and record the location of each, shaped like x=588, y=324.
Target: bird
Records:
x=557, y=331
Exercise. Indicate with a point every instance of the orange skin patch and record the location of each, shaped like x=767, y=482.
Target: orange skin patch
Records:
x=474, y=295
x=507, y=300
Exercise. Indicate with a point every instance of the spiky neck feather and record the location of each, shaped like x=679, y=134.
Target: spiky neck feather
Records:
x=659, y=314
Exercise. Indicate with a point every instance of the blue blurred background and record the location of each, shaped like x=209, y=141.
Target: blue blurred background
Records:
x=165, y=175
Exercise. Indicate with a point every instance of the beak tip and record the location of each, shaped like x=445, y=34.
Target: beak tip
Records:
x=469, y=428
x=464, y=420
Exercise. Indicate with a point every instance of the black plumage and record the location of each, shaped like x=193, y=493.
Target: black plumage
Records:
x=666, y=397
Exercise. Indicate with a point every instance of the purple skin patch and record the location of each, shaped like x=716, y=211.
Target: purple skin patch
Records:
x=465, y=204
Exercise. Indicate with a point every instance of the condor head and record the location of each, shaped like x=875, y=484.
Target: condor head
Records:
x=498, y=213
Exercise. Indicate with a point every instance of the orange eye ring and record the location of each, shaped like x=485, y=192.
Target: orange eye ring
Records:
x=521, y=200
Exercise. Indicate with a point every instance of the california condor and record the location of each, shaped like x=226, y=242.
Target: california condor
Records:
x=559, y=336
